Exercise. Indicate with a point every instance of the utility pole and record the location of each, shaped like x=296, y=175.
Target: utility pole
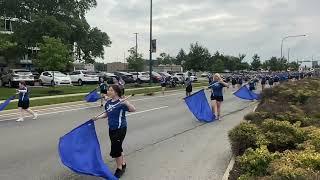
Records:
x=289, y=55
x=136, y=50
x=150, y=63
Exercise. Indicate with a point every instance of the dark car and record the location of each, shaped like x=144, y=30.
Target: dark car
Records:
x=127, y=77
x=156, y=77
x=108, y=77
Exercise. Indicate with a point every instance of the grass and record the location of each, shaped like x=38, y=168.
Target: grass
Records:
x=42, y=102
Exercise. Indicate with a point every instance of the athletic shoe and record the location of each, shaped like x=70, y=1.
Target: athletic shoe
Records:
x=124, y=166
x=20, y=120
x=35, y=116
x=118, y=173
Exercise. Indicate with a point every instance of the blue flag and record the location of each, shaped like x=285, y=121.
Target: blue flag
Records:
x=93, y=96
x=199, y=106
x=80, y=151
x=245, y=93
x=6, y=103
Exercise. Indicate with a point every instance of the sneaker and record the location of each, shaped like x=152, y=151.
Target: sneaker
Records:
x=20, y=120
x=118, y=173
x=35, y=116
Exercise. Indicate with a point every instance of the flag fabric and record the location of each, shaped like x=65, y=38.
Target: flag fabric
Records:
x=80, y=151
x=6, y=103
x=245, y=93
x=199, y=106
x=93, y=96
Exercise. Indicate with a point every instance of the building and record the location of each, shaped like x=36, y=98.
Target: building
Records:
x=83, y=66
x=166, y=68
x=117, y=66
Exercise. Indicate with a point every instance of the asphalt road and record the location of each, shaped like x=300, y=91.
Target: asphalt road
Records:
x=164, y=140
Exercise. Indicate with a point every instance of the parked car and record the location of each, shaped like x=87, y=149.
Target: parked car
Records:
x=180, y=77
x=141, y=77
x=166, y=75
x=127, y=77
x=36, y=75
x=156, y=77
x=204, y=74
x=14, y=76
x=193, y=77
x=54, y=78
x=81, y=77
x=108, y=77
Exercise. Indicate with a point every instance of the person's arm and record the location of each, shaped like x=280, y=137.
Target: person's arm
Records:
x=101, y=116
x=224, y=83
x=131, y=108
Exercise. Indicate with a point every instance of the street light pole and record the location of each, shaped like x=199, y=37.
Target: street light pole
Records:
x=150, y=63
x=136, y=45
x=287, y=38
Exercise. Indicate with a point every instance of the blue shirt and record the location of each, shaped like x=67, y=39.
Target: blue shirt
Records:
x=24, y=96
x=216, y=88
x=116, y=114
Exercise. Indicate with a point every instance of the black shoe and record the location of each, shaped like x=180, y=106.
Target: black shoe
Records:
x=118, y=173
x=124, y=166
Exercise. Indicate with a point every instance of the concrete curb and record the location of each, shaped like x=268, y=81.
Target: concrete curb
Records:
x=232, y=161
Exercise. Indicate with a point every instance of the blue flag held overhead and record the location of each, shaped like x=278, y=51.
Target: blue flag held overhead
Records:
x=246, y=94
x=80, y=151
x=6, y=103
x=93, y=96
x=199, y=106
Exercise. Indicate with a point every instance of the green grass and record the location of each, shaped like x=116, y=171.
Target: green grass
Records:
x=42, y=102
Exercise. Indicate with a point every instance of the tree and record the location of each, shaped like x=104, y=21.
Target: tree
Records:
x=181, y=57
x=256, y=63
x=135, y=61
x=198, y=58
x=218, y=66
x=59, y=19
x=53, y=55
x=294, y=66
x=165, y=59
x=8, y=47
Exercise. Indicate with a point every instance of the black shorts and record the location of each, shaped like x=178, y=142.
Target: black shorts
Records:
x=189, y=89
x=163, y=85
x=24, y=104
x=116, y=137
x=217, y=98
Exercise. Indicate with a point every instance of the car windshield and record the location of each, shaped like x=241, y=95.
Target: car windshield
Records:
x=59, y=74
x=89, y=73
x=22, y=72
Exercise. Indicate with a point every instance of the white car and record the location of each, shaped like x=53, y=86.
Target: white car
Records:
x=54, y=78
x=82, y=76
x=180, y=77
x=142, y=77
x=193, y=77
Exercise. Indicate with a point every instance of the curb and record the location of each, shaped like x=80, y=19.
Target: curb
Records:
x=232, y=160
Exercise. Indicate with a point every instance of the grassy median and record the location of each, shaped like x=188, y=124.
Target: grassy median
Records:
x=42, y=102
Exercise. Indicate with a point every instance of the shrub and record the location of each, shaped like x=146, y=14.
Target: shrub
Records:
x=258, y=117
x=296, y=165
x=256, y=162
x=245, y=136
x=282, y=135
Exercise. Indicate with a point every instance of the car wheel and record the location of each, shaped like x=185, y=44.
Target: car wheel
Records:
x=80, y=83
x=41, y=83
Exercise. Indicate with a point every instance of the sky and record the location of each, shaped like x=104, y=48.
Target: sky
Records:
x=228, y=26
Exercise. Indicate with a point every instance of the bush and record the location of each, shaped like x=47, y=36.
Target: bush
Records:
x=256, y=162
x=282, y=135
x=258, y=117
x=296, y=165
x=245, y=136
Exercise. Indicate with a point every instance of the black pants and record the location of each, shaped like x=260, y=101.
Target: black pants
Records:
x=117, y=136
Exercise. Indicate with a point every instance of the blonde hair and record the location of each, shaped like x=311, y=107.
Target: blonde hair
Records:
x=217, y=76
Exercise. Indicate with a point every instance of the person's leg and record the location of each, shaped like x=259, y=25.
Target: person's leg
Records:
x=35, y=115
x=119, y=162
x=21, y=115
x=101, y=100
x=218, y=109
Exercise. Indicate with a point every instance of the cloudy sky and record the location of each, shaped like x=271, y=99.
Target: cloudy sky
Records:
x=229, y=26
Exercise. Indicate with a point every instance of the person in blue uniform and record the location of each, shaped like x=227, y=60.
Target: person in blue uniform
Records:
x=233, y=81
x=116, y=109
x=240, y=81
x=263, y=82
x=271, y=81
x=252, y=84
x=24, y=103
x=103, y=90
x=188, y=84
x=216, y=87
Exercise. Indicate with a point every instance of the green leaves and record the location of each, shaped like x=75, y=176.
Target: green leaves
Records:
x=53, y=55
x=135, y=61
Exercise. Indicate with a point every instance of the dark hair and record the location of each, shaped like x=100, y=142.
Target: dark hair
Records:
x=23, y=83
x=117, y=89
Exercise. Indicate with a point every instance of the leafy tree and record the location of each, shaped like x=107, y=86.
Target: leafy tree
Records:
x=8, y=47
x=53, y=56
x=218, y=66
x=198, y=58
x=135, y=61
x=294, y=66
x=165, y=59
x=256, y=63
x=182, y=56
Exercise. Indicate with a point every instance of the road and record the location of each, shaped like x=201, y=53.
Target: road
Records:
x=164, y=140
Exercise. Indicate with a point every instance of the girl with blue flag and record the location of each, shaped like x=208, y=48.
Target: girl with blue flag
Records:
x=24, y=103
x=116, y=114
x=216, y=87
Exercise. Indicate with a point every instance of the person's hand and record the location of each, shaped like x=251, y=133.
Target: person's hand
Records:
x=94, y=118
